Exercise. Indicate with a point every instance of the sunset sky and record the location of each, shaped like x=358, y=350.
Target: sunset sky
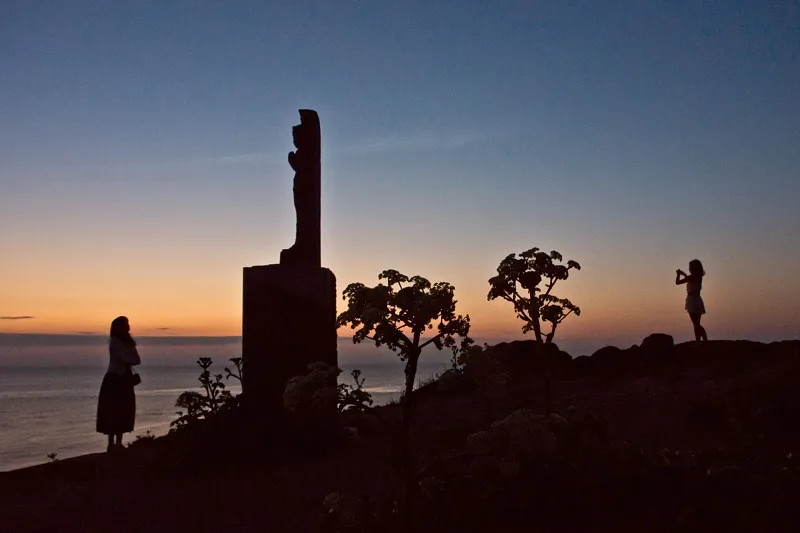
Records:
x=143, y=156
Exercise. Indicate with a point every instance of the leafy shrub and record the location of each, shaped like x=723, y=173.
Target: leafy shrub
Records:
x=142, y=440
x=525, y=433
x=147, y=436
x=486, y=372
x=519, y=435
x=342, y=512
x=214, y=397
x=354, y=397
x=451, y=380
x=462, y=353
x=237, y=362
x=311, y=399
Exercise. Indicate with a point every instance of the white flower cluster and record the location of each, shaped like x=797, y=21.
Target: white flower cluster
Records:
x=313, y=394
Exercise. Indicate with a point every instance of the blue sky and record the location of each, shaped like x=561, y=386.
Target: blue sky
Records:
x=143, y=158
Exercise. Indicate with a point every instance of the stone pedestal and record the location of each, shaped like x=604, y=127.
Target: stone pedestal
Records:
x=288, y=321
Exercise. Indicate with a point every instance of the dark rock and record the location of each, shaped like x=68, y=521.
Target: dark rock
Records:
x=526, y=353
x=658, y=344
x=582, y=360
x=616, y=360
x=607, y=353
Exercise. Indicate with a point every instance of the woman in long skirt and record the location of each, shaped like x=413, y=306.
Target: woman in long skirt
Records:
x=116, y=406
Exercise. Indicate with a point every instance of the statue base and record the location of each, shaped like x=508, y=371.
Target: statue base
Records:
x=288, y=321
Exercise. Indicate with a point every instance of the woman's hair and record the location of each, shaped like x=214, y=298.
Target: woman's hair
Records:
x=696, y=268
x=119, y=330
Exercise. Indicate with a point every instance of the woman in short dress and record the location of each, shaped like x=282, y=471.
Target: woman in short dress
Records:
x=116, y=406
x=694, y=302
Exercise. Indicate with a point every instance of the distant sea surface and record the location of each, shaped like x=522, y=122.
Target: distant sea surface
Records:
x=49, y=387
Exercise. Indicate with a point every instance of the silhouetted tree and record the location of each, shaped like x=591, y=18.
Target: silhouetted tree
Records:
x=537, y=273
x=397, y=315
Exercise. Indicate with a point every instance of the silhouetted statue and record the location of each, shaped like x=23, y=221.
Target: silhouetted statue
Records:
x=307, y=191
x=289, y=309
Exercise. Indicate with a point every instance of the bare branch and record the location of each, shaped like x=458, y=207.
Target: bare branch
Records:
x=429, y=341
x=565, y=315
x=551, y=285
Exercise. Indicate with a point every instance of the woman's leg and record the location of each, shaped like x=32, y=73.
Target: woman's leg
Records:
x=699, y=331
x=110, y=442
x=118, y=438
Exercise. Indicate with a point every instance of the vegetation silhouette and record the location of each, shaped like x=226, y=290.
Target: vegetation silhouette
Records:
x=527, y=272
x=397, y=315
x=214, y=398
x=723, y=431
x=310, y=403
x=238, y=365
x=354, y=397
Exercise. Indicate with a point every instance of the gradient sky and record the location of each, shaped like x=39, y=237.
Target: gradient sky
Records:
x=143, y=155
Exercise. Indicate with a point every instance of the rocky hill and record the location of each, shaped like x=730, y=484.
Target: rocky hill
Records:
x=655, y=437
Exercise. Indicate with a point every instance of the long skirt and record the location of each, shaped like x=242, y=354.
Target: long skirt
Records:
x=116, y=406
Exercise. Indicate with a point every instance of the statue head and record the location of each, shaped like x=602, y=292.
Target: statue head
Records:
x=305, y=134
x=301, y=137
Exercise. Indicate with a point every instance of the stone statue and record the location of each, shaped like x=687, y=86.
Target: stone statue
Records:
x=289, y=309
x=305, y=161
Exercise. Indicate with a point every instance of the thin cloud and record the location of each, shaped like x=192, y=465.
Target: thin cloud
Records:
x=21, y=317
x=422, y=141
x=254, y=157
x=228, y=159
x=163, y=329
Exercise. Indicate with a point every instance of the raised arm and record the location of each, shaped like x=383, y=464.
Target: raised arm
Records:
x=680, y=277
x=122, y=353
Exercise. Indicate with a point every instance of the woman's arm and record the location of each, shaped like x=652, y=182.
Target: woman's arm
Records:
x=122, y=353
x=678, y=279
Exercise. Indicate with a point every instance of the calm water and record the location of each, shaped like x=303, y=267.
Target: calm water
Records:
x=48, y=392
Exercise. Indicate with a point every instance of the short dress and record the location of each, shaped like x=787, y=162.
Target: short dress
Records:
x=694, y=302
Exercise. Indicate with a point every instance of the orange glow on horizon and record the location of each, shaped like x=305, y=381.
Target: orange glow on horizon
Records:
x=162, y=299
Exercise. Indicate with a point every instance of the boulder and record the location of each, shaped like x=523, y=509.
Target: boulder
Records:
x=525, y=354
x=607, y=353
x=657, y=344
x=616, y=360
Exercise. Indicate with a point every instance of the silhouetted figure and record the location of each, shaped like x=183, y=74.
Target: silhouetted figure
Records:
x=694, y=302
x=116, y=406
x=306, y=163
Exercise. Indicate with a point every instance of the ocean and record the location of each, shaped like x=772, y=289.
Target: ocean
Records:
x=49, y=386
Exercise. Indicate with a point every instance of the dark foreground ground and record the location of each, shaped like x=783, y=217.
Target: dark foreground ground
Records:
x=649, y=439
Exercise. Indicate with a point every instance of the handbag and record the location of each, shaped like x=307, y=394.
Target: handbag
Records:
x=134, y=378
